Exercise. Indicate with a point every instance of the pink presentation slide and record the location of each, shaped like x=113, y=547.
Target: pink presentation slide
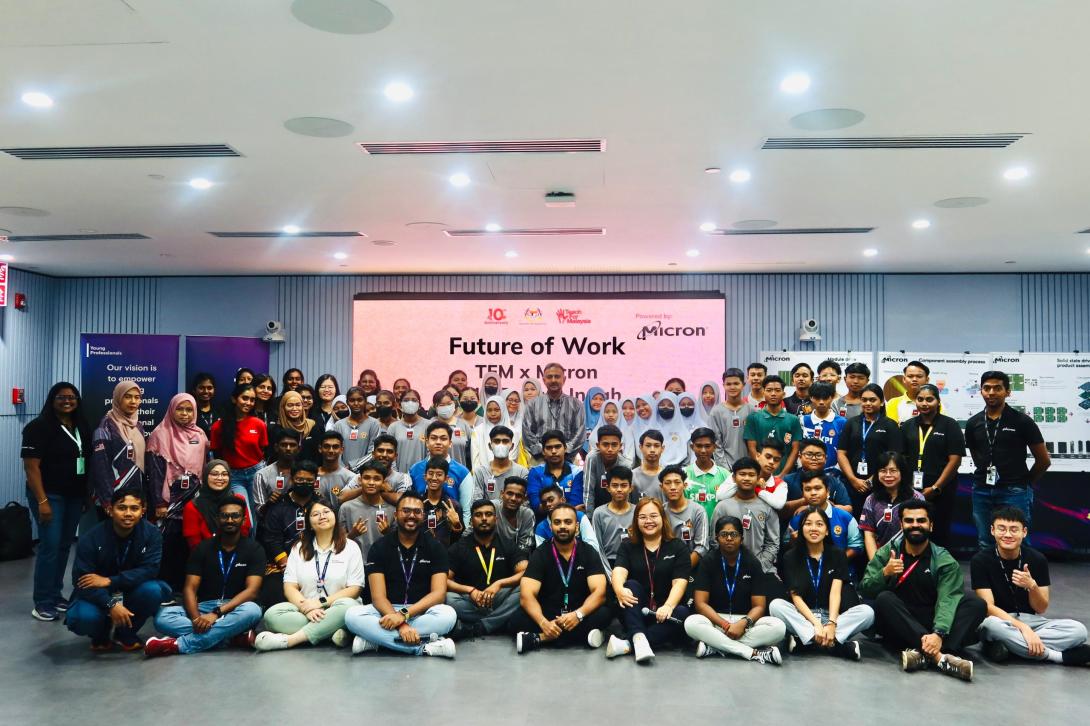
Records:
x=626, y=346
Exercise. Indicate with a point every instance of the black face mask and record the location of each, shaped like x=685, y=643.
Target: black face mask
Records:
x=490, y=391
x=666, y=413
x=385, y=411
x=916, y=535
x=686, y=411
x=302, y=491
x=468, y=406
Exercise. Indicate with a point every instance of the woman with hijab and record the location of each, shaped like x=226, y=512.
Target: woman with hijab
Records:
x=691, y=412
x=326, y=390
x=531, y=388
x=201, y=513
x=337, y=410
x=490, y=386
x=592, y=408
x=610, y=415
x=645, y=414
x=675, y=435
x=495, y=414
x=177, y=452
x=516, y=411
x=291, y=417
x=627, y=425
x=709, y=396
x=117, y=445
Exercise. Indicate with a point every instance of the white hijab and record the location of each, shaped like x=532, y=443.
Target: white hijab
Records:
x=698, y=418
x=675, y=433
x=602, y=421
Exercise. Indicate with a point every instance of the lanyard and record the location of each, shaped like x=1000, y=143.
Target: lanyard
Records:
x=1008, y=577
x=651, y=576
x=991, y=437
x=226, y=571
x=923, y=443
x=487, y=568
x=906, y=573
x=565, y=578
x=76, y=439
x=325, y=569
x=409, y=573
x=815, y=579
x=730, y=584
x=866, y=432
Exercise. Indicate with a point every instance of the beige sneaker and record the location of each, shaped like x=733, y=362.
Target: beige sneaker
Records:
x=957, y=667
x=912, y=660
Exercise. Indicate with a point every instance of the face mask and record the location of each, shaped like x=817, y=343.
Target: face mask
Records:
x=410, y=407
x=666, y=413
x=501, y=451
x=916, y=536
x=385, y=411
x=302, y=491
x=468, y=406
x=687, y=411
x=490, y=391
x=445, y=411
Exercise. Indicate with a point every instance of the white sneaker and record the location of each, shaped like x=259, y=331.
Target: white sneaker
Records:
x=268, y=640
x=339, y=636
x=595, y=638
x=703, y=651
x=770, y=655
x=642, y=648
x=442, y=648
x=617, y=646
x=359, y=645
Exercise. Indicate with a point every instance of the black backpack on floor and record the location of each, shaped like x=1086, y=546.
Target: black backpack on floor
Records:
x=15, y=532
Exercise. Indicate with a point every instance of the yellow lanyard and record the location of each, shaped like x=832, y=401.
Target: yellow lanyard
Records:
x=487, y=568
x=923, y=443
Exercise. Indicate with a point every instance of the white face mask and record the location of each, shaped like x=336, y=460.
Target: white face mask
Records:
x=501, y=451
x=410, y=407
x=445, y=411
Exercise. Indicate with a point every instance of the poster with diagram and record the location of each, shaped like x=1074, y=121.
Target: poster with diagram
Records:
x=780, y=363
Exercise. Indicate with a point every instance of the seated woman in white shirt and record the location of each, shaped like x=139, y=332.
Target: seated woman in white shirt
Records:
x=324, y=577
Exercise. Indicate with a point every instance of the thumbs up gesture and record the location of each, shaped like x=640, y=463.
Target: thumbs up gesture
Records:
x=895, y=566
x=1022, y=578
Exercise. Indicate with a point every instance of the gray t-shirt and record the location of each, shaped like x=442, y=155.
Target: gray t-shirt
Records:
x=593, y=471
x=357, y=508
x=646, y=485
x=761, y=537
x=728, y=426
x=611, y=529
x=847, y=410
x=459, y=443
x=333, y=483
x=487, y=485
x=690, y=525
x=265, y=483
x=521, y=536
x=359, y=439
x=412, y=443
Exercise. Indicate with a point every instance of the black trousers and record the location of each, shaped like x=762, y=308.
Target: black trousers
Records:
x=944, y=513
x=903, y=626
x=599, y=619
x=657, y=633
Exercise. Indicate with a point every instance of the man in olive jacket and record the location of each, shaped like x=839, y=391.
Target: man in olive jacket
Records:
x=919, y=596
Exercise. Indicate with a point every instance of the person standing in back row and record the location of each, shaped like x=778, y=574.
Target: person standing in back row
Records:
x=862, y=441
x=934, y=446
x=554, y=410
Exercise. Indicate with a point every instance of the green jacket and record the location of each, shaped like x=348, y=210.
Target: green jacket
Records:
x=949, y=582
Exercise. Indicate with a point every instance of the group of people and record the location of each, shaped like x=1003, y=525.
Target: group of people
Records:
x=745, y=521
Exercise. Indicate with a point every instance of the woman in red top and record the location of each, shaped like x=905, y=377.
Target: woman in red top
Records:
x=241, y=439
x=200, y=514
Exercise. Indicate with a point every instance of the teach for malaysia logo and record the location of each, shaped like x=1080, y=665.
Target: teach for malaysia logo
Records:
x=567, y=316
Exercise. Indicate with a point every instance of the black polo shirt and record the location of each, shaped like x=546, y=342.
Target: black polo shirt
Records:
x=466, y=557
x=45, y=439
x=388, y=558
x=882, y=436
x=944, y=441
x=246, y=560
x=544, y=568
x=1004, y=443
x=799, y=576
x=671, y=562
x=710, y=579
x=988, y=571
x=797, y=406
x=918, y=590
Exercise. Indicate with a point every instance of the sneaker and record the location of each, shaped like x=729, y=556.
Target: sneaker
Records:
x=617, y=646
x=477, y=630
x=792, y=644
x=244, y=640
x=595, y=638
x=642, y=648
x=769, y=656
x=848, y=651
x=340, y=635
x=359, y=645
x=442, y=648
x=525, y=642
x=912, y=660
x=160, y=646
x=62, y=605
x=269, y=640
x=703, y=650
x=996, y=652
x=44, y=613
x=101, y=645
x=1077, y=656
x=957, y=667
x=128, y=641
x=459, y=632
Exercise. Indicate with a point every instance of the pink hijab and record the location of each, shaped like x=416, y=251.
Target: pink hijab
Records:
x=175, y=444
x=128, y=426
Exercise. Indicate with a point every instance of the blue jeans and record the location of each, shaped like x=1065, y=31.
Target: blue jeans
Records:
x=986, y=499
x=87, y=618
x=174, y=622
x=362, y=620
x=54, y=543
x=242, y=483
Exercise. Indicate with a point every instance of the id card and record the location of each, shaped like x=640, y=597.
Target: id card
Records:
x=861, y=468
x=81, y=466
x=747, y=519
x=686, y=534
x=130, y=451
x=280, y=483
x=432, y=521
x=353, y=435
x=603, y=482
x=300, y=522
x=409, y=433
x=490, y=486
x=992, y=477
x=917, y=480
x=887, y=516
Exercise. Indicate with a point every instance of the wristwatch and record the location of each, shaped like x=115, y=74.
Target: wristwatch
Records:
x=941, y=633
x=579, y=614
x=218, y=613
x=403, y=612
x=749, y=620
x=323, y=601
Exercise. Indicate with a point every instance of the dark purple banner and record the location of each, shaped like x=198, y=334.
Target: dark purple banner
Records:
x=150, y=360
x=222, y=357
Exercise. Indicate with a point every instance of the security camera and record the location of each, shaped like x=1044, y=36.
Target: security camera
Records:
x=808, y=331
x=274, y=326
x=274, y=332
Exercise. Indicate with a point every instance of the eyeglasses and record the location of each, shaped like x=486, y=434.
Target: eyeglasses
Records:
x=813, y=454
x=730, y=535
x=413, y=512
x=648, y=518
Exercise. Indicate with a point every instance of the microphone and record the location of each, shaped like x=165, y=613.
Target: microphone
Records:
x=670, y=618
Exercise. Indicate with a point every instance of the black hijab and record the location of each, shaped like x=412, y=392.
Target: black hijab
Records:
x=208, y=500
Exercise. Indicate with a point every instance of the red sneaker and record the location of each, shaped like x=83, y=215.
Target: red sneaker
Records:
x=244, y=640
x=160, y=646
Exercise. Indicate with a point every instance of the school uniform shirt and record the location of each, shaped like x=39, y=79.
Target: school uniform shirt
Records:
x=456, y=474
x=941, y=440
x=209, y=562
x=701, y=486
x=359, y=440
x=827, y=429
x=843, y=529
x=656, y=571
x=796, y=405
x=407, y=572
x=834, y=480
x=478, y=566
x=760, y=528
x=1003, y=443
x=357, y=509
x=646, y=485
x=251, y=441
x=746, y=576
x=783, y=427
x=729, y=426
x=281, y=524
x=800, y=571
x=593, y=479
x=411, y=441
x=883, y=435
x=882, y=518
x=690, y=526
x=540, y=477
x=611, y=529
x=331, y=484
x=436, y=522
x=337, y=569
x=61, y=454
x=461, y=450
x=487, y=485
x=270, y=479
x=988, y=571
x=520, y=536
x=545, y=565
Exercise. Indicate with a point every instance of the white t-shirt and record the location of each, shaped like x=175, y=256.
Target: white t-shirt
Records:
x=345, y=569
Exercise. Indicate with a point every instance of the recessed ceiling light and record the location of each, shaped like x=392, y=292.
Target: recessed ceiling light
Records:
x=739, y=176
x=37, y=99
x=795, y=83
x=707, y=227
x=1016, y=173
x=340, y=256
x=692, y=253
x=921, y=224
x=200, y=183
x=712, y=170
x=870, y=252
x=398, y=91
x=511, y=253
x=7, y=258
x=291, y=229
x=492, y=227
x=459, y=179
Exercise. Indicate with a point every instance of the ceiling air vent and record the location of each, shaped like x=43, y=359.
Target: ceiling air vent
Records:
x=542, y=232
x=541, y=146
x=796, y=230
x=281, y=233
x=74, y=237
x=173, y=151
x=968, y=141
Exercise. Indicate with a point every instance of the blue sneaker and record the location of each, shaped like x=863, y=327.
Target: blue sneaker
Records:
x=61, y=606
x=44, y=613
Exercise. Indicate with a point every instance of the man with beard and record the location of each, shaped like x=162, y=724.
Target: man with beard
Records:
x=562, y=591
x=482, y=585
x=919, y=598
x=554, y=410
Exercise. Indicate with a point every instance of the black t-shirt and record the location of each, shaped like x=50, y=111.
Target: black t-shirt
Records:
x=797, y=406
x=388, y=558
x=1004, y=443
x=48, y=441
x=711, y=578
x=944, y=441
x=918, y=588
x=883, y=435
x=436, y=514
x=543, y=567
x=246, y=560
x=800, y=569
x=988, y=571
x=671, y=562
x=466, y=563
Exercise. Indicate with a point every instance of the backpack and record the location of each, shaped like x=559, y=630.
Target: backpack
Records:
x=15, y=532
